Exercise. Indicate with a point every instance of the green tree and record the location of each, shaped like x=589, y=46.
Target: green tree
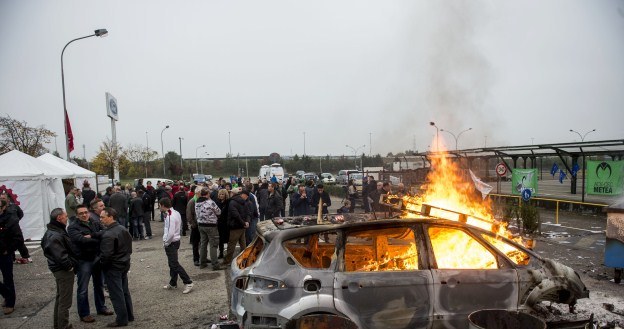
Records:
x=17, y=135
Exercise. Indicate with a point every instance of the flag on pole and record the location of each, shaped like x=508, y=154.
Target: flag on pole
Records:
x=562, y=176
x=480, y=185
x=554, y=169
x=575, y=169
x=70, y=135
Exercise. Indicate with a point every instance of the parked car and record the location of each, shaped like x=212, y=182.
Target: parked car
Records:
x=343, y=176
x=327, y=178
x=355, y=271
x=310, y=176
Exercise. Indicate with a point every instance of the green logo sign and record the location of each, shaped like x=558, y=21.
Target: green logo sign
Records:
x=605, y=177
x=524, y=179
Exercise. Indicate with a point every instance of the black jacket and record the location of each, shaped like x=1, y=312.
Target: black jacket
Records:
x=275, y=203
x=119, y=202
x=301, y=206
x=115, y=248
x=326, y=199
x=87, y=196
x=15, y=209
x=57, y=248
x=222, y=222
x=179, y=203
x=84, y=248
x=136, y=208
x=10, y=233
x=238, y=213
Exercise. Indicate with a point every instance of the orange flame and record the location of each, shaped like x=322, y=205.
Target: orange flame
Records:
x=451, y=195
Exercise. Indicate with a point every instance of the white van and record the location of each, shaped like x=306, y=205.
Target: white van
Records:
x=267, y=172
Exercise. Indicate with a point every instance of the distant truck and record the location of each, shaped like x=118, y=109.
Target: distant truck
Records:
x=267, y=172
x=200, y=178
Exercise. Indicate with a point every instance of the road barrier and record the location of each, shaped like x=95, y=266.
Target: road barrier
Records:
x=556, y=201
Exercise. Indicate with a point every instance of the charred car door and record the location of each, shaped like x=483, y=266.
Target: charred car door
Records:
x=467, y=276
x=381, y=282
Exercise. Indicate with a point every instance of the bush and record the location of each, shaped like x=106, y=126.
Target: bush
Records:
x=336, y=190
x=530, y=218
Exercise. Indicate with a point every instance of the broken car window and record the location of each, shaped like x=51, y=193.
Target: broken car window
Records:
x=313, y=251
x=250, y=254
x=516, y=255
x=456, y=249
x=391, y=249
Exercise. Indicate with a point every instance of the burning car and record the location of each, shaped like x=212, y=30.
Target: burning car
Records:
x=390, y=273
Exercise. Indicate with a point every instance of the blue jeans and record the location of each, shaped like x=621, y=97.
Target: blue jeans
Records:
x=250, y=232
x=7, y=286
x=87, y=269
x=117, y=282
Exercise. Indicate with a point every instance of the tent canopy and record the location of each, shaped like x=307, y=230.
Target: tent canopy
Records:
x=18, y=165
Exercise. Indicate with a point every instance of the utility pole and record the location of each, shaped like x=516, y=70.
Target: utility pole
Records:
x=181, y=164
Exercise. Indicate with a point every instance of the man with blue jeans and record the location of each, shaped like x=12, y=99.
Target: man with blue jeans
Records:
x=82, y=233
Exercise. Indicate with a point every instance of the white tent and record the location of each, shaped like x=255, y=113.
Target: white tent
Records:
x=37, y=187
x=79, y=174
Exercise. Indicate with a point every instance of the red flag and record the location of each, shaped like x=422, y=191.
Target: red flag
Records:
x=70, y=135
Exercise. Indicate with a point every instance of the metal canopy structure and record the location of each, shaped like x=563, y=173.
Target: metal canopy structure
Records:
x=568, y=153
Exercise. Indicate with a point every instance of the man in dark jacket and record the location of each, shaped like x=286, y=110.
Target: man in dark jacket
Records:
x=274, y=202
x=115, y=250
x=322, y=197
x=57, y=249
x=147, y=203
x=301, y=202
x=119, y=202
x=107, y=195
x=179, y=202
x=152, y=195
x=86, y=247
x=238, y=221
x=10, y=238
x=87, y=193
x=136, y=215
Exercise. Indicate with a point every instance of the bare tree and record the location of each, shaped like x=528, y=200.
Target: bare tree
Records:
x=17, y=135
x=137, y=153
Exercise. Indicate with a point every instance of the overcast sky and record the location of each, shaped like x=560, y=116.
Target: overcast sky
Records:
x=266, y=71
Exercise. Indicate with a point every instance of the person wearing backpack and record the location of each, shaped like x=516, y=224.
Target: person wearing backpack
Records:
x=207, y=213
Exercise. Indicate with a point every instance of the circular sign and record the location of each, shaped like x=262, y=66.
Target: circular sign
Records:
x=526, y=194
x=113, y=106
x=501, y=169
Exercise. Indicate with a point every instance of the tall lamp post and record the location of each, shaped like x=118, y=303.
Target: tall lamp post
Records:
x=97, y=33
x=181, y=163
x=583, y=153
x=355, y=151
x=196, y=158
x=456, y=136
x=162, y=148
x=584, y=135
x=146, y=152
x=437, y=135
x=201, y=164
x=304, y=143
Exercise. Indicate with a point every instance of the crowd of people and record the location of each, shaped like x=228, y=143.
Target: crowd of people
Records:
x=91, y=239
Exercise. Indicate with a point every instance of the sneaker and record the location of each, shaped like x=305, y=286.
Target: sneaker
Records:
x=187, y=288
x=22, y=261
x=148, y=237
x=169, y=287
x=9, y=310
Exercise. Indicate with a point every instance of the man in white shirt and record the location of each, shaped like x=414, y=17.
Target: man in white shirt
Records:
x=171, y=242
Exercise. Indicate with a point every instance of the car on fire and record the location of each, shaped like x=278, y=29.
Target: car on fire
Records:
x=355, y=271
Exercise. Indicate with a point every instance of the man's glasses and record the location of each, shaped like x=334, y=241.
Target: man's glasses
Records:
x=83, y=213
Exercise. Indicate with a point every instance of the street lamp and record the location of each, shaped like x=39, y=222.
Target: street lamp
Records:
x=97, y=33
x=201, y=164
x=437, y=135
x=230, y=143
x=456, y=137
x=355, y=151
x=304, y=143
x=181, y=164
x=583, y=173
x=582, y=136
x=146, y=152
x=196, y=158
x=162, y=148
